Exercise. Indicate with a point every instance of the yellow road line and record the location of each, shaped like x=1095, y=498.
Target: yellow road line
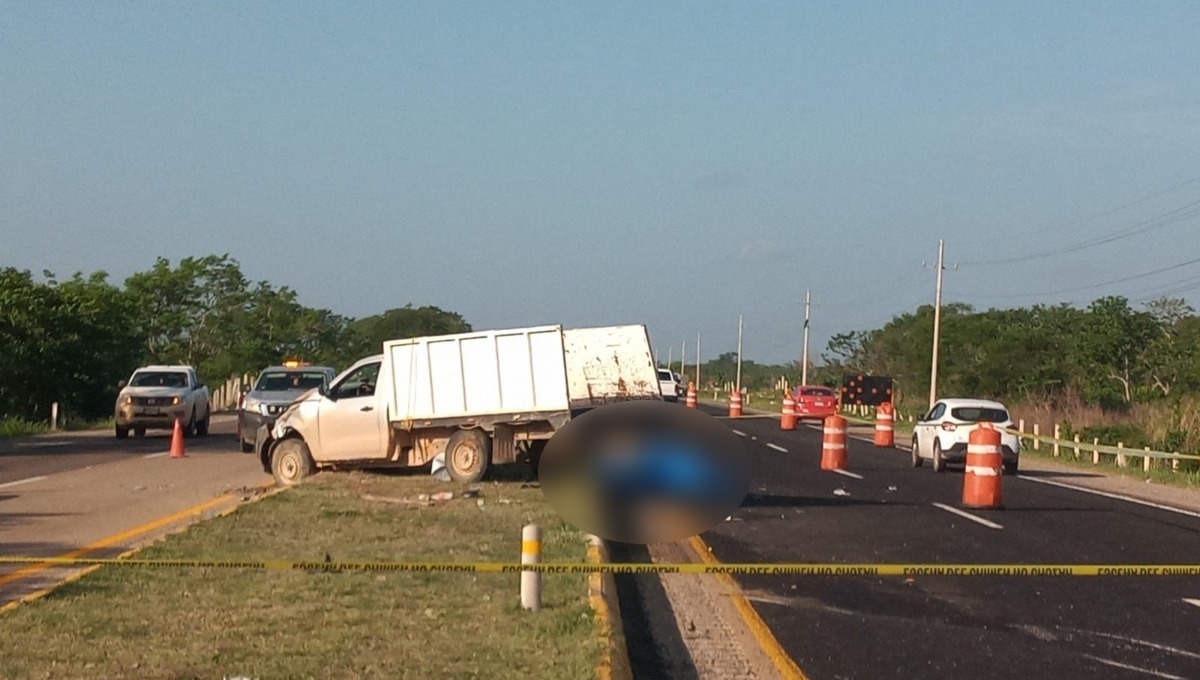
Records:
x=758, y=628
x=108, y=541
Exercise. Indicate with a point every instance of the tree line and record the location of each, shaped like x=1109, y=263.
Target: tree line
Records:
x=69, y=341
x=1108, y=354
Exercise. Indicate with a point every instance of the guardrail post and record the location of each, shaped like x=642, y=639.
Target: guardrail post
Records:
x=531, y=581
x=1146, y=461
x=1037, y=433
x=1175, y=463
x=1057, y=436
x=1096, y=451
x=1076, y=444
x=1120, y=456
x=54, y=416
x=1021, y=426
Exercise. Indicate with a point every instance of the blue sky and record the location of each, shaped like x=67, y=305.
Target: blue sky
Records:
x=674, y=164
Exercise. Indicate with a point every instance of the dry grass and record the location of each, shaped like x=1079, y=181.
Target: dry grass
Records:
x=201, y=623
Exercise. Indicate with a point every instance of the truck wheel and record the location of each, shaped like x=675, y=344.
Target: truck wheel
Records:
x=291, y=462
x=202, y=426
x=247, y=447
x=189, y=430
x=122, y=432
x=468, y=454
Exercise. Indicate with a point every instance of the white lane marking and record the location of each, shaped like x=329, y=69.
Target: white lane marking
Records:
x=967, y=515
x=1115, y=496
x=19, y=482
x=848, y=474
x=739, y=433
x=777, y=447
x=1147, y=643
x=753, y=439
x=1147, y=671
x=1192, y=602
x=157, y=455
x=32, y=445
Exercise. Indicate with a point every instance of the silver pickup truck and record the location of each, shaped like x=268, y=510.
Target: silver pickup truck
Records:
x=155, y=396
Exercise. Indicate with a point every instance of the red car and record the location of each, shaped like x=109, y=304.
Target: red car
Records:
x=814, y=402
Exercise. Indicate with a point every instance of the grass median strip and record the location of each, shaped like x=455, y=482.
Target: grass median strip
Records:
x=144, y=622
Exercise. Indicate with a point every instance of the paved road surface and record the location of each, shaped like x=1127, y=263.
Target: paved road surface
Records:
x=89, y=494
x=956, y=627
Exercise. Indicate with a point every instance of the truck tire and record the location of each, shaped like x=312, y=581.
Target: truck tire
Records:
x=468, y=454
x=247, y=447
x=189, y=430
x=202, y=426
x=291, y=462
x=122, y=432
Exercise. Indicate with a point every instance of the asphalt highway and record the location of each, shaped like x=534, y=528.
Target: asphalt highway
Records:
x=979, y=627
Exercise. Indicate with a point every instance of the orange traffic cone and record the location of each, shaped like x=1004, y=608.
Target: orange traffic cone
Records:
x=787, y=421
x=833, y=444
x=690, y=400
x=985, y=467
x=735, y=404
x=177, y=441
x=885, y=435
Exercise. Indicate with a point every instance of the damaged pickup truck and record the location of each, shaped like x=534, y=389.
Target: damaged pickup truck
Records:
x=472, y=398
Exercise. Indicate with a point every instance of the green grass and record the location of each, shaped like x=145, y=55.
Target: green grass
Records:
x=135, y=622
x=15, y=427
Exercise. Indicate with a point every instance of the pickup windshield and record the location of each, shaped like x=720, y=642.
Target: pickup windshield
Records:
x=289, y=381
x=159, y=379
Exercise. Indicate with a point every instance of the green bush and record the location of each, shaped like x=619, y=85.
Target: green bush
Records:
x=1129, y=434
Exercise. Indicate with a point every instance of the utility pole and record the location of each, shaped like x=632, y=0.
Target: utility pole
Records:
x=738, y=385
x=697, y=361
x=804, y=356
x=683, y=359
x=937, y=322
x=670, y=359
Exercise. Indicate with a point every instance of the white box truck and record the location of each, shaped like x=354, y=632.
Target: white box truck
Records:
x=474, y=397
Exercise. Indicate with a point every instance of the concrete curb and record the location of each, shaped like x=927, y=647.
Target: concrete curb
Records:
x=602, y=594
x=260, y=492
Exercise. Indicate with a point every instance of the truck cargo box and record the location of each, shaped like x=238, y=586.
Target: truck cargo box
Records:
x=609, y=364
x=484, y=373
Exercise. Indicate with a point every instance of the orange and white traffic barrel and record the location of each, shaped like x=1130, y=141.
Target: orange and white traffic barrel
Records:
x=735, y=404
x=985, y=468
x=788, y=420
x=690, y=400
x=833, y=444
x=885, y=434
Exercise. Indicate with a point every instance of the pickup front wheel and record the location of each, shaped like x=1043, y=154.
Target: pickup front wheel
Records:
x=202, y=426
x=468, y=454
x=291, y=462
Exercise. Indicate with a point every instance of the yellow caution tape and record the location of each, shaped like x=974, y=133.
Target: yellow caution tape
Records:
x=789, y=569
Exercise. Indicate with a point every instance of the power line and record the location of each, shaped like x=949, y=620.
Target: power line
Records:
x=1175, y=216
x=1098, y=215
x=1089, y=287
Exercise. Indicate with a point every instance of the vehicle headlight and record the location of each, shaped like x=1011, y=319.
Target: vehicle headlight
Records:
x=174, y=401
x=127, y=400
x=264, y=409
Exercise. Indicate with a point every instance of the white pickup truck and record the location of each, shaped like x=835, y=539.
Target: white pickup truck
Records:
x=472, y=397
x=155, y=396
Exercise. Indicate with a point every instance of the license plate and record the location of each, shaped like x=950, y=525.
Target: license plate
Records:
x=151, y=412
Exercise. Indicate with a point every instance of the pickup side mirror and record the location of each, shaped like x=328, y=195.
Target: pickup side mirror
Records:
x=324, y=391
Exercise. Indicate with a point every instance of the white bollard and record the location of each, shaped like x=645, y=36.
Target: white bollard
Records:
x=54, y=416
x=1057, y=436
x=1146, y=460
x=531, y=581
x=1037, y=437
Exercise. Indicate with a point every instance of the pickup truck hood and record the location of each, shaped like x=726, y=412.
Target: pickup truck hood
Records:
x=154, y=391
x=278, y=397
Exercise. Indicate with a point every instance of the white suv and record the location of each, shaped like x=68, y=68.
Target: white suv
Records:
x=671, y=385
x=942, y=434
